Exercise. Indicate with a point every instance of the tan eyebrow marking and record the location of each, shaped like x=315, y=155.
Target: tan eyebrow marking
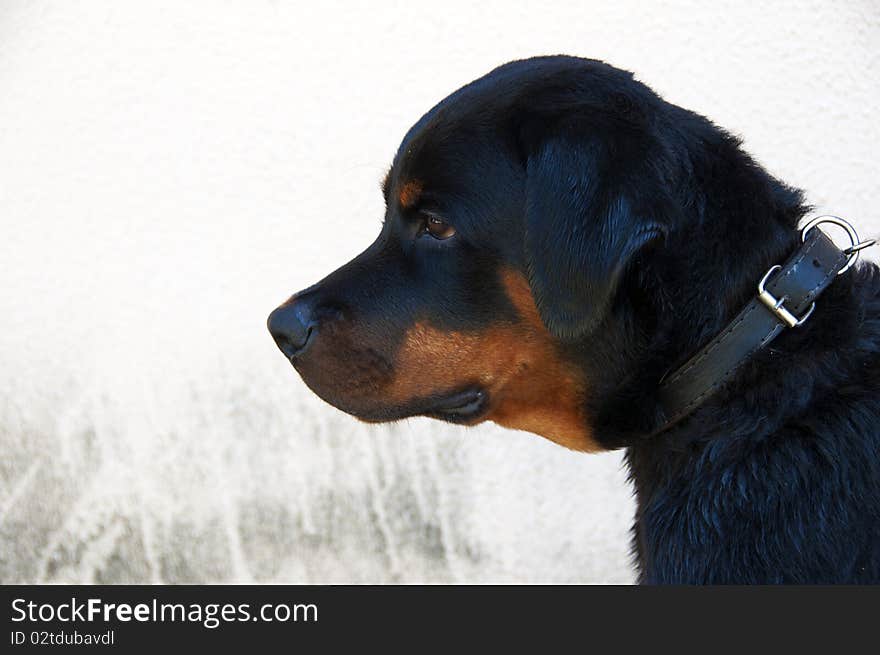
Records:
x=409, y=193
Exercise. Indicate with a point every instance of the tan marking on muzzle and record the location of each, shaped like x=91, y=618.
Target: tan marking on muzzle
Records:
x=530, y=386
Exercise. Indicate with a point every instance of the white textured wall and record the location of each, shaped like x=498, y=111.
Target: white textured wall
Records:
x=170, y=171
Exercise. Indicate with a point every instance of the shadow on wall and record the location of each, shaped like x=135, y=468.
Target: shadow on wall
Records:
x=234, y=485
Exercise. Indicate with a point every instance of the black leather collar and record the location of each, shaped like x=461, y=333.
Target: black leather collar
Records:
x=785, y=299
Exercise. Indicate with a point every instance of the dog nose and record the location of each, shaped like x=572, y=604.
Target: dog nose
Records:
x=293, y=325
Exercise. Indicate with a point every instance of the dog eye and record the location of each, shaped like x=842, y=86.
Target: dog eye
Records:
x=438, y=228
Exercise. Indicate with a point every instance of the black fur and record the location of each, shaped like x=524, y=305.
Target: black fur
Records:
x=642, y=229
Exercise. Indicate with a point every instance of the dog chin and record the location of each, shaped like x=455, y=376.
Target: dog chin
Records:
x=464, y=407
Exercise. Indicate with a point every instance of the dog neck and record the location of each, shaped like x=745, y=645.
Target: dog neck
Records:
x=675, y=304
x=632, y=413
x=786, y=299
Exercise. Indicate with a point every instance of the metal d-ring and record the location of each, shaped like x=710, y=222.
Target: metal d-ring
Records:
x=855, y=244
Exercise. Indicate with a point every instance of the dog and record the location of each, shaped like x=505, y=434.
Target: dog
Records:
x=557, y=240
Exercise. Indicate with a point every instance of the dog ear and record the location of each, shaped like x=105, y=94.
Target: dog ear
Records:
x=585, y=220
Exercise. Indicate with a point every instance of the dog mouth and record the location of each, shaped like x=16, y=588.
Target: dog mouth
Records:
x=459, y=407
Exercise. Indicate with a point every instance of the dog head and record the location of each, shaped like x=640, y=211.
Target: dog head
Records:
x=521, y=214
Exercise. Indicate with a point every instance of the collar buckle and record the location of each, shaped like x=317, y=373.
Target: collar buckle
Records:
x=777, y=306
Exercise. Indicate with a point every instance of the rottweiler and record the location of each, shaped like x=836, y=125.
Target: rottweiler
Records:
x=557, y=239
